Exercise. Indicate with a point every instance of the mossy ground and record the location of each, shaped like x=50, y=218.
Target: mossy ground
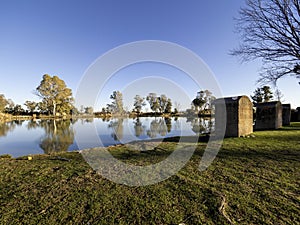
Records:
x=251, y=181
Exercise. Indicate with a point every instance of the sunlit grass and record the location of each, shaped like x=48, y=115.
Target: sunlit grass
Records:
x=252, y=181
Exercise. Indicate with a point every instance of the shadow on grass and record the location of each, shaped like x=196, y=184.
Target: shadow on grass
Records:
x=277, y=155
x=277, y=145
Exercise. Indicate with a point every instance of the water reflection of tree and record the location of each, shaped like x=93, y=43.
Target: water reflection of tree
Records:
x=201, y=125
x=169, y=124
x=87, y=120
x=6, y=127
x=138, y=127
x=32, y=124
x=18, y=122
x=58, y=135
x=160, y=127
x=118, y=128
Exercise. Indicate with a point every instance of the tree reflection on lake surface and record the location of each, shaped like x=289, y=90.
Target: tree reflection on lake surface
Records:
x=158, y=126
x=139, y=129
x=7, y=127
x=201, y=125
x=58, y=134
x=48, y=136
x=118, y=128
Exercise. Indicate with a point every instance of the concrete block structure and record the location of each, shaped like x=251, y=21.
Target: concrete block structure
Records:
x=286, y=114
x=238, y=115
x=268, y=116
x=298, y=114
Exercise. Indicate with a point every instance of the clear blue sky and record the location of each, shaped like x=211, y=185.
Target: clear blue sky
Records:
x=64, y=37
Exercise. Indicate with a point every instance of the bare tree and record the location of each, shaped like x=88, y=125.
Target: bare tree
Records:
x=177, y=106
x=270, y=30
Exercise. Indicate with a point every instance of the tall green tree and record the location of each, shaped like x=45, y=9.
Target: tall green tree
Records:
x=116, y=107
x=157, y=103
x=3, y=102
x=257, y=96
x=203, y=100
x=168, y=108
x=31, y=106
x=267, y=93
x=138, y=104
x=163, y=100
x=18, y=110
x=56, y=96
x=10, y=107
x=153, y=101
x=263, y=94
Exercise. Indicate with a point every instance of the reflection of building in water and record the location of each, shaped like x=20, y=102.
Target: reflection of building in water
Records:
x=58, y=135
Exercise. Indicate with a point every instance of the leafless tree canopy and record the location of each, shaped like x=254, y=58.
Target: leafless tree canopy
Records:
x=269, y=29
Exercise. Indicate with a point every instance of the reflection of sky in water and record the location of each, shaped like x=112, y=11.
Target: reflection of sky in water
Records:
x=18, y=139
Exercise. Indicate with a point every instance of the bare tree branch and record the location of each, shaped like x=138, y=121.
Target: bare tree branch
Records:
x=270, y=30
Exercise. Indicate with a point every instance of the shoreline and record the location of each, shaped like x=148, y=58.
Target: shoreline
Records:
x=175, y=139
x=4, y=117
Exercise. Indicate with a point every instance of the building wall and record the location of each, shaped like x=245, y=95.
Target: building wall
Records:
x=239, y=116
x=298, y=114
x=245, y=116
x=232, y=119
x=268, y=116
x=286, y=114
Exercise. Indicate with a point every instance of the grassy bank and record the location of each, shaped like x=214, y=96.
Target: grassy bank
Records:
x=252, y=181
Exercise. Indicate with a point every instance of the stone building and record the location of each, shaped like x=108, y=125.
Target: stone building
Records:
x=298, y=114
x=286, y=114
x=237, y=115
x=268, y=115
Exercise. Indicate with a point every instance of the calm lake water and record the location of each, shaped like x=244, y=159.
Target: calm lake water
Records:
x=19, y=138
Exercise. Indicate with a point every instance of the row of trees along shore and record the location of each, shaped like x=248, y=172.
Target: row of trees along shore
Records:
x=57, y=100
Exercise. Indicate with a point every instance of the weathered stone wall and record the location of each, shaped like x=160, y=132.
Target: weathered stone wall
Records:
x=294, y=115
x=245, y=116
x=268, y=116
x=286, y=114
x=232, y=129
x=239, y=116
x=298, y=113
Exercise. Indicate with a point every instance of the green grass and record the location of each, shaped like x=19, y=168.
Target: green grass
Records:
x=252, y=181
